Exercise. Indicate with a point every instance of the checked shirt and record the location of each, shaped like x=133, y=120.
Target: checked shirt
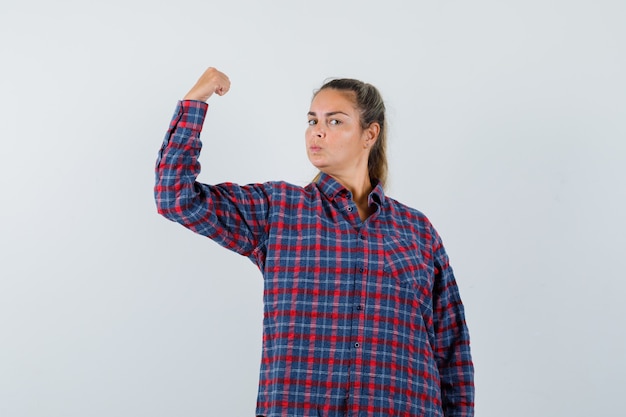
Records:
x=361, y=318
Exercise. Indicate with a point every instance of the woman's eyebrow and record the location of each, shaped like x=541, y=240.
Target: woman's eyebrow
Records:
x=332, y=113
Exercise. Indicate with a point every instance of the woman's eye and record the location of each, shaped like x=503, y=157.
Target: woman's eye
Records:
x=334, y=122
x=312, y=122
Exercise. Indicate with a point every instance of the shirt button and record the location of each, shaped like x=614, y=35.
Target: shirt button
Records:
x=349, y=208
x=361, y=269
x=357, y=344
x=359, y=307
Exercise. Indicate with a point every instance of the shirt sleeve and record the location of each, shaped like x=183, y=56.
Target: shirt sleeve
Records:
x=452, y=344
x=234, y=216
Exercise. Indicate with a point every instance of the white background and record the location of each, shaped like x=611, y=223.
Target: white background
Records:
x=508, y=129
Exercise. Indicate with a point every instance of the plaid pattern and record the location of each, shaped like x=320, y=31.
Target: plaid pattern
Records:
x=360, y=318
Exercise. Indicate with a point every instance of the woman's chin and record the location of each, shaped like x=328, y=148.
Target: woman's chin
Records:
x=317, y=162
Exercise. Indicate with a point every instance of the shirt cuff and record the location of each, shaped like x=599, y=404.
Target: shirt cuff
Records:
x=190, y=114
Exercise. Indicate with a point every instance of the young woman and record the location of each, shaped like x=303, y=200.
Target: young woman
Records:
x=362, y=314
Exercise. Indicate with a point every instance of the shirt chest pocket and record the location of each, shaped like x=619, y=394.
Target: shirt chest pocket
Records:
x=406, y=266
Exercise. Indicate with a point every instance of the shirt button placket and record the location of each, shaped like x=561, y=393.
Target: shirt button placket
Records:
x=359, y=306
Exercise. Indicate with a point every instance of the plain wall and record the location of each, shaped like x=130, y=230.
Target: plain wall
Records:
x=508, y=129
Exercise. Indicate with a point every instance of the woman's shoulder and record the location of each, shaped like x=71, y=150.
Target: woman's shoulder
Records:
x=404, y=211
x=409, y=222
x=280, y=190
x=287, y=187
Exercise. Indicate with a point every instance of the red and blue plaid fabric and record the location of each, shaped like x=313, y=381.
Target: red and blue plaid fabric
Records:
x=360, y=318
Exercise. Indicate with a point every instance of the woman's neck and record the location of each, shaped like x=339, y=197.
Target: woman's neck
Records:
x=360, y=187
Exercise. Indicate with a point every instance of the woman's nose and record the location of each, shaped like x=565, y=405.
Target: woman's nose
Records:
x=319, y=131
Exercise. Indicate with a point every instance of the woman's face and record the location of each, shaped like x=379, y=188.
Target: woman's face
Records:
x=335, y=142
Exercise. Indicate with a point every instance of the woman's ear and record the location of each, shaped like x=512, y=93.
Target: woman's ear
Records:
x=372, y=132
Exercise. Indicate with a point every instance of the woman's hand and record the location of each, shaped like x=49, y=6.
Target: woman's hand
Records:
x=212, y=81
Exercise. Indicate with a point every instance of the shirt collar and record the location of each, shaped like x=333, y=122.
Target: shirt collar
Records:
x=331, y=188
